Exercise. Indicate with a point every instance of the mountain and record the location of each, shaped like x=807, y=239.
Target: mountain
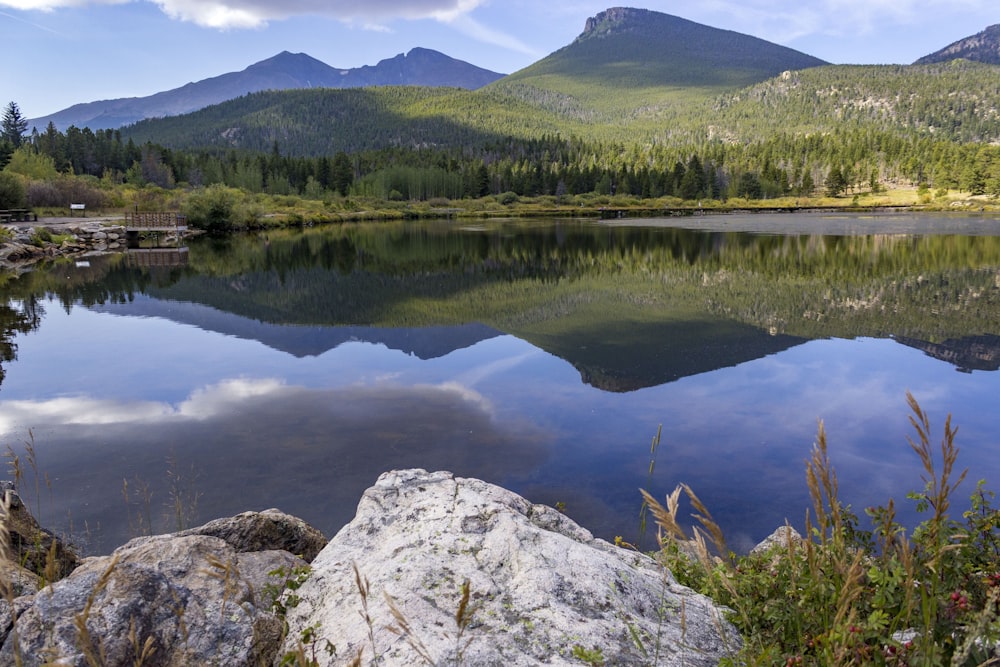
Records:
x=982, y=47
x=419, y=67
x=620, y=349
x=301, y=341
x=650, y=55
x=630, y=73
x=285, y=71
x=971, y=353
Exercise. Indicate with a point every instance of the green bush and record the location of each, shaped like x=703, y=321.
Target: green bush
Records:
x=847, y=596
x=211, y=209
x=12, y=191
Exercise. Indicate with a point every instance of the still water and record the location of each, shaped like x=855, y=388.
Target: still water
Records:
x=290, y=369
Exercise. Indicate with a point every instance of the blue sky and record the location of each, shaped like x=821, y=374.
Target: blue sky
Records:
x=61, y=52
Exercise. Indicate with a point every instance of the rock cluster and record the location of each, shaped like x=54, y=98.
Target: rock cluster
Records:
x=198, y=597
x=434, y=569
x=31, y=244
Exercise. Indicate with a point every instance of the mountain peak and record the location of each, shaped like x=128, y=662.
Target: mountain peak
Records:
x=283, y=57
x=612, y=19
x=629, y=48
x=982, y=47
x=284, y=71
x=622, y=21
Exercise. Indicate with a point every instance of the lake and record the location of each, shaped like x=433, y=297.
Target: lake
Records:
x=289, y=369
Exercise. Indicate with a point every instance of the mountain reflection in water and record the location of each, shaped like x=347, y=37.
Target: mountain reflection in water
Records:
x=290, y=370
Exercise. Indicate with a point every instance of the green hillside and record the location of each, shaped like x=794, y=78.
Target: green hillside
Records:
x=955, y=101
x=629, y=66
x=322, y=121
x=636, y=62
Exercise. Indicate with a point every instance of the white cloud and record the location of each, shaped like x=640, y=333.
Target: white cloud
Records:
x=467, y=25
x=77, y=410
x=49, y=5
x=466, y=394
x=203, y=403
x=207, y=402
x=225, y=14
x=227, y=397
x=479, y=373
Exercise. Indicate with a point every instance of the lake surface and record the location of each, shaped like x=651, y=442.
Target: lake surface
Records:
x=290, y=369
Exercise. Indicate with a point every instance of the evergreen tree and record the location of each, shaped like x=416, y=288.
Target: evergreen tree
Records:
x=807, y=186
x=693, y=183
x=482, y=183
x=836, y=183
x=6, y=151
x=749, y=186
x=14, y=125
x=341, y=173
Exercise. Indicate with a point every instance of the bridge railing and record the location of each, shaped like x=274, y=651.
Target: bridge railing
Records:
x=155, y=220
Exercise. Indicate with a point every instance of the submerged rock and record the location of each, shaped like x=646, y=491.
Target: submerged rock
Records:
x=541, y=588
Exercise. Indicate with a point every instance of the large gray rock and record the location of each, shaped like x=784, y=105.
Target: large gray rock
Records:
x=193, y=600
x=541, y=587
x=267, y=530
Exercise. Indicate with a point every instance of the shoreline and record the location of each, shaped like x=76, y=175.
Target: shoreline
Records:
x=105, y=233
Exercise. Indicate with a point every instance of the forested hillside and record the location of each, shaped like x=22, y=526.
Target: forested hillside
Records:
x=318, y=122
x=832, y=127
x=955, y=101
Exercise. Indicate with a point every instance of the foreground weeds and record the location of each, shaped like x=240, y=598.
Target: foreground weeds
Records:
x=843, y=595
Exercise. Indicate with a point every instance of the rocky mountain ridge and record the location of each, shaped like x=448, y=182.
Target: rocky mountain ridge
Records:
x=982, y=47
x=284, y=71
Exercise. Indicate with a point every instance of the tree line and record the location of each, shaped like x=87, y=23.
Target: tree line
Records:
x=850, y=159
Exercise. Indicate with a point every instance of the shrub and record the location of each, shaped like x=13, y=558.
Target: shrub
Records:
x=12, y=191
x=847, y=596
x=211, y=209
x=65, y=190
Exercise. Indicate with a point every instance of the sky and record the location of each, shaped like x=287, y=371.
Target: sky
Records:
x=62, y=52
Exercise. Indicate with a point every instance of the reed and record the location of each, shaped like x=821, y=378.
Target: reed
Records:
x=843, y=595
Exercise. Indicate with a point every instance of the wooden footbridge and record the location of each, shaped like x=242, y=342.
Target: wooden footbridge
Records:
x=157, y=257
x=155, y=221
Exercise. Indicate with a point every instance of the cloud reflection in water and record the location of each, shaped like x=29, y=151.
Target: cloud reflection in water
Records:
x=231, y=443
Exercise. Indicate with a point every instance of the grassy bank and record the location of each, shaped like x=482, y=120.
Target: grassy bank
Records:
x=220, y=208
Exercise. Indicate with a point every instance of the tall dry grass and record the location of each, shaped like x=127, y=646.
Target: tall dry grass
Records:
x=844, y=595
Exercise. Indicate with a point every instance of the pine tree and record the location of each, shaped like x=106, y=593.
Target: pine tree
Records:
x=341, y=173
x=14, y=125
x=836, y=183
